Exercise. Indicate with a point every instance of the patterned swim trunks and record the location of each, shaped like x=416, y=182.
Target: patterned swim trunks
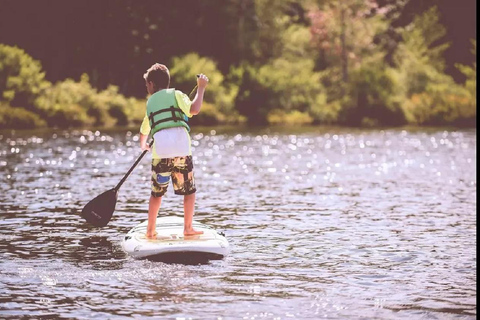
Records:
x=179, y=169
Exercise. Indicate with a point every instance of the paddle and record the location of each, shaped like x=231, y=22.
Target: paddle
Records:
x=99, y=211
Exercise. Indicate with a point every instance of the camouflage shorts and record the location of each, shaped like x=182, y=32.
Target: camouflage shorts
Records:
x=179, y=169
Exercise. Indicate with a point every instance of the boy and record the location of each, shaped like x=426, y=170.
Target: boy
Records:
x=171, y=155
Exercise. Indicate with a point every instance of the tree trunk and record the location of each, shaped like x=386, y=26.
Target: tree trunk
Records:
x=344, y=55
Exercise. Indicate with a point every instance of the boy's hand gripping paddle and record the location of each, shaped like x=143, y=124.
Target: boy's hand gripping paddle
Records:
x=99, y=211
x=193, y=90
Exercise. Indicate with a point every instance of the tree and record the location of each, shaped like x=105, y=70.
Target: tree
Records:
x=430, y=96
x=470, y=73
x=220, y=93
x=351, y=57
x=286, y=86
x=21, y=77
x=344, y=32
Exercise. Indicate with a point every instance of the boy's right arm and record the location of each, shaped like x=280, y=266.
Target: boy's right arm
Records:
x=202, y=82
x=144, y=132
x=143, y=142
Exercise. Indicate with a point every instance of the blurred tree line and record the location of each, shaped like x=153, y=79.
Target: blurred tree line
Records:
x=347, y=62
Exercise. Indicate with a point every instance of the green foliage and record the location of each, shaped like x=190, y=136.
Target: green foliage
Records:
x=184, y=69
x=295, y=117
x=279, y=62
x=219, y=93
x=134, y=110
x=123, y=110
x=419, y=57
x=442, y=104
x=65, y=104
x=430, y=97
x=70, y=104
x=271, y=23
x=294, y=84
x=19, y=118
x=328, y=112
x=357, y=85
x=253, y=100
x=21, y=77
x=285, y=84
x=209, y=116
x=344, y=33
x=422, y=37
x=470, y=73
x=372, y=89
x=279, y=85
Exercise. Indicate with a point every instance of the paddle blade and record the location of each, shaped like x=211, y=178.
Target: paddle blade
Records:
x=99, y=211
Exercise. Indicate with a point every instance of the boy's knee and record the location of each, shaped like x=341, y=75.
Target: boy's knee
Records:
x=189, y=195
x=156, y=196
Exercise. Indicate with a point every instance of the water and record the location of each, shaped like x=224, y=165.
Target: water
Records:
x=323, y=223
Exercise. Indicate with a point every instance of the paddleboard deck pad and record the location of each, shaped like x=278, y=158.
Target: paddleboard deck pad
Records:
x=170, y=245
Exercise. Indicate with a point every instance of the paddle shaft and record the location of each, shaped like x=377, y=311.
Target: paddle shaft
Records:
x=133, y=167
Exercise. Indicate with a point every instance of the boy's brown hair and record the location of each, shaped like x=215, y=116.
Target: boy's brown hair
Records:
x=159, y=75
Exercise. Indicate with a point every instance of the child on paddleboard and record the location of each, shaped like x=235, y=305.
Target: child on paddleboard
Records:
x=166, y=121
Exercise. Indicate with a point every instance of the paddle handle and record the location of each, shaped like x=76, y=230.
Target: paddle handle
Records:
x=191, y=92
x=133, y=167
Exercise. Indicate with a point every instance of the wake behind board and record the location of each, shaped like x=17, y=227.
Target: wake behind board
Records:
x=172, y=246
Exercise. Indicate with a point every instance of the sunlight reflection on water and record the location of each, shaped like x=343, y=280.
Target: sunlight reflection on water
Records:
x=323, y=223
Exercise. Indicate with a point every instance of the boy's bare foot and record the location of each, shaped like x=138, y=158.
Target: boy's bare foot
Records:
x=151, y=235
x=191, y=232
x=157, y=237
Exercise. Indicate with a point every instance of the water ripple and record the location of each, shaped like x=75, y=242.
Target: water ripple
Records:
x=323, y=223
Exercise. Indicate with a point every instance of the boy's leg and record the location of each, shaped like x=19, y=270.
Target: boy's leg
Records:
x=189, y=208
x=184, y=184
x=160, y=179
x=153, y=207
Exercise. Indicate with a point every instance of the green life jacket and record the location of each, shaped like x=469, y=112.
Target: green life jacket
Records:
x=163, y=111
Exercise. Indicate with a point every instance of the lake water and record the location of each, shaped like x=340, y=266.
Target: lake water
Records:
x=323, y=223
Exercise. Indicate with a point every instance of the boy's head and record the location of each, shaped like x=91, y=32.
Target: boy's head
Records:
x=157, y=78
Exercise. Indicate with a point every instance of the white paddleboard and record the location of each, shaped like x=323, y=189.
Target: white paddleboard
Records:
x=171, y=245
